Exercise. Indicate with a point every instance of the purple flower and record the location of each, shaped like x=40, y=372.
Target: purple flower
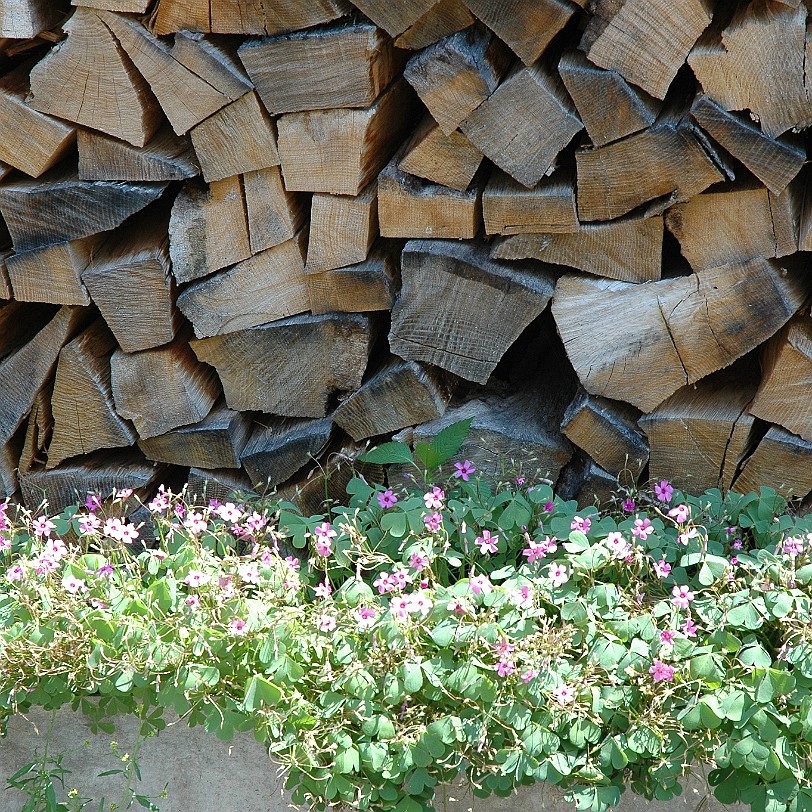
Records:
x=520, y=481
x=661, y=671
x=387, y=499
x=662, y=568
x=578, y=523
x=663, y=490
x=737, y=544
x=549, y=507
x=464, y=470
x=92, y=502
x=667, y=637
x=629, y=505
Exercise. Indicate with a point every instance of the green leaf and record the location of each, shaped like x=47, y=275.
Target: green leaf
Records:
x=428, y=455
x=412, y=676
x=347, y=760
x=259, y=692
x=449, y=441
x=388, y=453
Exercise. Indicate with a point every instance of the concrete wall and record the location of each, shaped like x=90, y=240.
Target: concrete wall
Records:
x=208, y=775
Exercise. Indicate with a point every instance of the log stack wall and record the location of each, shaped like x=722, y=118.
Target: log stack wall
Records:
x=240, y=239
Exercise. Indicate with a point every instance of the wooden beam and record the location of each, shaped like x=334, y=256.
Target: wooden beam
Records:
x=782, y=459
x=455, y=75
x=775, y=162
x=342, y=229
x=73, y=82
x=524, y=124
x=645, y=42
x=165, y=156
x=208, y=229
x=441, y=20
x=462, y=276
x=274, y=214
x=341, y=65
x=84, y=416
x=238, y=138
x=268, y=286
x=608, y=105
x=290, y=367
x=58, y=207
x=341, y=151
x=395, y=18
x=181, y=389
x=548, y=207
x=449, y=160
x=21, y=19
x=402, y=393
x=215, y=442
x=628, y=250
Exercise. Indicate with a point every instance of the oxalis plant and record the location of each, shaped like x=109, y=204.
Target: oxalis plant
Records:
x=434, y=630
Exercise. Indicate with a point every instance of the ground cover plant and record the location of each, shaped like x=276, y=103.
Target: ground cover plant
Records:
x=441, y=626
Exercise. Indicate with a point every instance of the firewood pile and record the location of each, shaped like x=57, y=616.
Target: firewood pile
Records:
x=244, y=238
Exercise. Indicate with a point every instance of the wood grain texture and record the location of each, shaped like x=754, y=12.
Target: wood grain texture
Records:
x=341, y=151
x=342, y=229
x=774, y=161
x=165, y=156
x=524, y=124
x=72, y=82
x=441, y=20
x=758, y=63
x=38, y=431
x=402, y=393
x=645, y=41
x=215, y=442
x=84, y=416
x=181, y=389
x=781, y=458
x=548, y=207
x=527, y=26
x=608, y=105
x=584, y=480
x=208, y=229
x=290, y=367
x=463, y=336
x=238, y=138
x=128, y=6
x=340, y=65
x=456, y=74
x=628, y=250
x=395, y=18
x=274, y=214
x=225, y=484
x=215, y=60
x=268, y=286
x=21, y=19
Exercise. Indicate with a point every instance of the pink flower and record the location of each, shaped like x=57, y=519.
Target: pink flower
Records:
x=684, y=538
x=522, y=597
x=558, y=574
x=487, y=542
x=326, y=622
x=124, y=493
x=196, y=578
x=387, y=499
x=112, y=528
x=689, y=628
x=74, y=585
x=195, y=523
x=292, y=562
x=792, y=547
x=400, y=578
x=5, y=544
x=419, y=604
x=464, y=470
x=229, y=512
x=580, y=524
x=43, y=526
x=89, y=524
x=323, y=590
x=128, y=533
x=461, y=607
x=418, y=561
x=642, y=528
x=44, y=565
x=238, y=626
x=92, y=502
x=159, y=503
x=540, y=549
x=661, y=568
x=737, y=544
x=399, y=607
x=661, y=671
x=193, y=602
x=55, y=549
x=249, y=573
x=480, y=584
x=663, y=490
x=365, y=616
x=434, y=498
x=15, y=573
x=383, y=583
x=529, y=675
x=681, y=513
x=433, y=521
x=682, y=596
x=520, y=481
x=618, y=545
x=667, y=637
x=323, y=548
x=505, y=667
x=563, y=694
x=324, y=532
x=504, y=646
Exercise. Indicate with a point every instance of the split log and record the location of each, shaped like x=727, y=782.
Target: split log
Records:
x=341, y=151
x=629, y=250
x=680, y=327
x=5, y=283
x=368, y=286
x=290, y=367
x=394, y=18
x=455, y=75
x=805, y=226
x=781, y=458
x=409, y=206
x=699, y=435
x=208, y=229
x=127, y=6
x=73, y=82
x=608, y=105
x=401, y=394
x=243, y=16
x=100, y=473
x=607, y=431
x=21, y=19
x=84, y=416
x=279, y=447
x=54, y=273
x=441, y=20
x=165, y=156
x=181, y=390
x=9, y=466
x=665, y=163
x=24, y=372
x=19, y=323
x=786, y=362
x=449, y=160
x=238, y=138
x=775, y=162
x=548, y=207
x=215, y=60
x=463, y=336
x=527, y=26
x=215, y=442
x=268, y=286
x=135, y=259
x=583, y=480
x=38, y=431
x=58, y=207
x=524, y=124
x=645, y=42
x=29, y=140
x=322, y=68
x=274, y=214
x=222, y=484
x=736, y=224
x=342, y=229
x=758, y=62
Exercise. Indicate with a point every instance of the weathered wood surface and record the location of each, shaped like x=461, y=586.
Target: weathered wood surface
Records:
x=442, y=19
x=780, y=458
x=395, y=17
x=20, y=19
x=274, y=214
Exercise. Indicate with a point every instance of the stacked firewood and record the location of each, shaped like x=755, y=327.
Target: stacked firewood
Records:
x=243, y=238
